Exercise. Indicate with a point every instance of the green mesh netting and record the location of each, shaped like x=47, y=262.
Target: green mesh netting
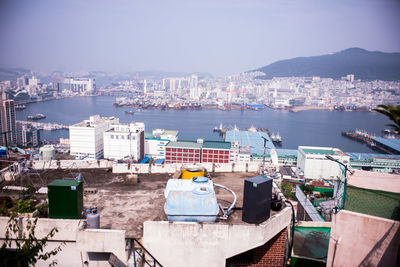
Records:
x=311, y=242
x=373, y=202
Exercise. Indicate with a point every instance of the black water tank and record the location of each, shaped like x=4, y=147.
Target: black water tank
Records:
x=257, y=199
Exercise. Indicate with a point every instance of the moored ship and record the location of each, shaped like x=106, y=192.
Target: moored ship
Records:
x=38, y=116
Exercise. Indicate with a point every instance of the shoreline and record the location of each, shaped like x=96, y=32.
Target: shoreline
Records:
x=205, y=107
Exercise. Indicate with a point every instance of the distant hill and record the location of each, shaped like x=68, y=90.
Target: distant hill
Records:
x=365, y=65
x=12, y=73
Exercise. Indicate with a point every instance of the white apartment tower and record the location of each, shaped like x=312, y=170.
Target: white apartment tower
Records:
x=194, y=89
x=124, y=141
x=86, y=137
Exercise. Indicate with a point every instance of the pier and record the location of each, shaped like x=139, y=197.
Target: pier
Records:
x=368, y=139
x=45, y=126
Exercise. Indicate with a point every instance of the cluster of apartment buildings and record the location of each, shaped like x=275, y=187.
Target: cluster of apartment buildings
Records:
x=104, y=137
x=14, y=133
x=30, y=88
x=246, y=89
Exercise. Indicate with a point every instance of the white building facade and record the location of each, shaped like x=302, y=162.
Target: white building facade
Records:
x=86, y=138
x=314, y=163
x=78, y=85
x=124, y=141
x=155, y=144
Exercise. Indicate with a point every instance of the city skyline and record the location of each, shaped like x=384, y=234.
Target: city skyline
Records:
x=193, y=36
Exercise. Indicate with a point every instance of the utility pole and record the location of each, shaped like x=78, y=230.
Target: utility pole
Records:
x=265, y=148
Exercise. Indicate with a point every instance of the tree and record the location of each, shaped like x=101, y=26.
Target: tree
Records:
x=23, y=248
x=393, y=113
x=287, y=190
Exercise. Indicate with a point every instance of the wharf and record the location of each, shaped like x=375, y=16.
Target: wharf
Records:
x=45, y=126
x=368, y=139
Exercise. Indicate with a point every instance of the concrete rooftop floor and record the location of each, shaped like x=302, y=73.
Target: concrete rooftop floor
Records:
x=126, y=206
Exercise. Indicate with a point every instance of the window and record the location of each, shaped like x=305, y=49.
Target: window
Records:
x=112, y=136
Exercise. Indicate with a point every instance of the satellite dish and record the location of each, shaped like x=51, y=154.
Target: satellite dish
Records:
x=274, y=157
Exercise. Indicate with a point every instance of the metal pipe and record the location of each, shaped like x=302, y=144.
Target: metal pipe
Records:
x=234, y=199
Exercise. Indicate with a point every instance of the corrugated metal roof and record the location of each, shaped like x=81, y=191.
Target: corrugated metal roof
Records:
x=185, y=144
x=216, y=145
x=160, y=161
x=253, y=139
x=364, y=156
x=392, y=143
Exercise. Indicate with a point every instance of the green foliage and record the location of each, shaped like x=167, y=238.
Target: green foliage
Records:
x=25, y=206
x=393, y=113
x=5, y=204
x=307, y=188
x=21, y=247
x=43, y=209
x=287, y=190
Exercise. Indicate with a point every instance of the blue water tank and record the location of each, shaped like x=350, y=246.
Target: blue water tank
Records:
x=3, y=151
x=198, y=205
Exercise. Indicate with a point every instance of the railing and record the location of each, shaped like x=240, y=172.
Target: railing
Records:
x=140, y=256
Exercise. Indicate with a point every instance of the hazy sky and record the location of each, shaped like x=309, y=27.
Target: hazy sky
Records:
x=216, y=36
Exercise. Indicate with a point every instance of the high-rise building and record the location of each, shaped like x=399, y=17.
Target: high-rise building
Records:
x=194, y=89
x=86, y=137
x=124, y=141
x=172, y=85
x=78, y=85
x=144, y=87
x=28, y=136
x=8, y=136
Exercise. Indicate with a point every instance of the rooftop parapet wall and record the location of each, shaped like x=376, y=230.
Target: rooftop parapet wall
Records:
x=71, y=164
x=363, y=240
x=208, y=244
x=77, y=240
x=174, y=167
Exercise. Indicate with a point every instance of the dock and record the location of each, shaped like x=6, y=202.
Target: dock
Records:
x=370, y=140
x=44, y=125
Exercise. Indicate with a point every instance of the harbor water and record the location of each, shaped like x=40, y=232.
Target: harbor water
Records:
x=312, y=127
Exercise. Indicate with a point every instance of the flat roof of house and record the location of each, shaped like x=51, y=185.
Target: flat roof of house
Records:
x=170, y=132
x=253, y=139
x=185, y=144
x=391, y=143
x=148, y=135
x=217, y=145
x=126, y=206
x=92, y=124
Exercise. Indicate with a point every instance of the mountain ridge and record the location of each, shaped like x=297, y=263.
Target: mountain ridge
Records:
x=364, y=64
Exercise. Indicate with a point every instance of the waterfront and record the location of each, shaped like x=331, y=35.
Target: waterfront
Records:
x=312, y=127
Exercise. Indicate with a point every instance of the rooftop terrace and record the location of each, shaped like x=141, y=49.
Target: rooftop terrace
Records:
x=127, y=206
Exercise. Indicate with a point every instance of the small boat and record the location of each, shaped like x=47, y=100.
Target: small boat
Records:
x=38, y=116
x=218, y=129
x=276, y=138
x=20, y=106
x=130, y=112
